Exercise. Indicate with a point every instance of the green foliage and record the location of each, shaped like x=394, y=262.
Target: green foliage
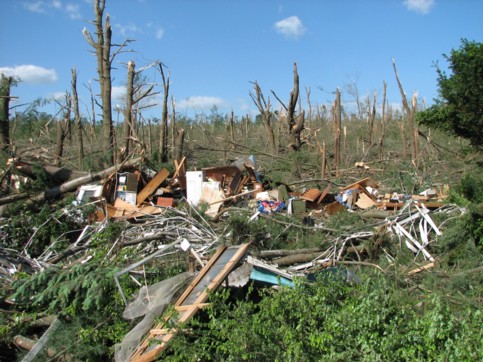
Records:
x=469, y=192
x=333, y=321
x=87, y=299
x=458, y=111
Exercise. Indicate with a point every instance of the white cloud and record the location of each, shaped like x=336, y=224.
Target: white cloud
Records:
x=200, y=102
x=60, y=96
x=73, y=10
x=57, y=4
x=159, y=33
x=128, y=30
x=419, y=6
x=35, y=7
x=118, y=92
x=290, y=27
x=31, y=74
x=42, y=7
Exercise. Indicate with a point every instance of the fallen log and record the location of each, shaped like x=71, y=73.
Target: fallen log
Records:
x=296, y=259
x=57, y=174
x=270, y=254
x=12, y=198
x=74, y=184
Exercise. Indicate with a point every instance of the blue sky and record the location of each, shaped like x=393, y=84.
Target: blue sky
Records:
x=215, y=48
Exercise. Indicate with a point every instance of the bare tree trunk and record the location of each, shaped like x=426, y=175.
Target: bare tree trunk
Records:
x=163, y=137
x=337, y=133
x=403, y=134
x=59, y=148
x=296, y=123
x=415, y=126
x=173, y=127
x=5, y=84
x=247, y=121
x=128, y=126
x=410, y=113
x=232, y=130
x=179, y=144
x=309, y=116
x=264, y=108
x=324, y=158
x=93, y=111
x=150, y=139
x=383, y=121
x=74, y=184
x=103, y=54
x=77, y=117
x=372, y=117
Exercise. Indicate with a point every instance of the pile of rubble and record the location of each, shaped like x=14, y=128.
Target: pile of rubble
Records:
x=162, y=212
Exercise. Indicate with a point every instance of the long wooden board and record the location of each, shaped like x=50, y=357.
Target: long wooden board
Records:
x=152, y=185
x=192, y=300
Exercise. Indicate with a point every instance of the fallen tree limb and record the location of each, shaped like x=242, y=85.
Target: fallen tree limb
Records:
x=158, y=236
x=74, y=184
x=296, y=259
x=12, y=198
x=349, y=262
x=229, y=209
x=270, y=254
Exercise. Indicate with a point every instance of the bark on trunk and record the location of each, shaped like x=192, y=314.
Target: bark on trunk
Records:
x=296, y=124
x=77, y=117
x=264, y=109
x=179, y=145
x=383, y=121
x=5, y=84
x=128, y=126
x=163, y=136
x=337, y=133
x=74, y=184
x=410, y=114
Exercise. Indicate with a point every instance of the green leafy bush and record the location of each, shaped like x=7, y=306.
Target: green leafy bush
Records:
x=333, y=321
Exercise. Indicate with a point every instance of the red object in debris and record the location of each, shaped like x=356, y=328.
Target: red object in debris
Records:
x=165, y=201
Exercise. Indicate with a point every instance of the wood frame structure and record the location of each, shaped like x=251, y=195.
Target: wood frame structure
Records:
x=191, y=301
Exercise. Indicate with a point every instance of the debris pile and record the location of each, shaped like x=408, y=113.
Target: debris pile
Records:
x=177, y=214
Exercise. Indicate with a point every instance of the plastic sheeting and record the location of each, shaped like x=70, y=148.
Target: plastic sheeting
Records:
x=150, y=302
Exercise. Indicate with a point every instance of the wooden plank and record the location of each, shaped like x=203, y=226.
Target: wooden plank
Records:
x=215, y=283
x=364, y=201
x=324, y=194
x=200, y=275
x=367, y=182
x=152, y=185
x=311, y=195
x=188, y=311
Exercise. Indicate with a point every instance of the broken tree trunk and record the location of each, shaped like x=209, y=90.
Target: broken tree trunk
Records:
x=5, y=84
x=383, y=120
x=337, y=128
x=173, y=128
x=296, y=259
x=270, y=254
x=57, y=174
x=128, y=126
x=178, y=155
x=264, y=108
x=63, y=130
x=410, y=114
x=163, y=136
x=78, y=120
x=74, y=184
x=232, y=131
x=296, y=124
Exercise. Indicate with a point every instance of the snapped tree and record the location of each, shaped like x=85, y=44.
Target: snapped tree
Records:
x=459, y=108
